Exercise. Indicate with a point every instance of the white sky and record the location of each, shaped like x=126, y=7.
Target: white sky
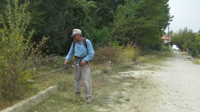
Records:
x=186, y=14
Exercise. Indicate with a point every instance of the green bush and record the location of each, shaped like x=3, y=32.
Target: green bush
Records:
x=158, y=46
x=166, y=44
x=165, y=48
x=195, y=53
x=16, y=53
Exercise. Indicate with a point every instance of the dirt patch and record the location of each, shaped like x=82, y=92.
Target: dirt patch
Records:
x=134, y=87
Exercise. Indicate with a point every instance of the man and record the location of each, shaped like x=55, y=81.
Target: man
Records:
x=82, y=55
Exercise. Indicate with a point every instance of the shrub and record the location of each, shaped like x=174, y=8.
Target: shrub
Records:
x=165, y=48
x=166, y=44
x=110, y=52
x=116, y=54
x=158, y=46
x=128, y=52
x=16, y=52
x=195, y=53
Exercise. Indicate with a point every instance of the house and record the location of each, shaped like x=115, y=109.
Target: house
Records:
x=166, y=39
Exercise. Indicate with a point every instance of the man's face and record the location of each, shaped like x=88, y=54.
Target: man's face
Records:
x=76, y=37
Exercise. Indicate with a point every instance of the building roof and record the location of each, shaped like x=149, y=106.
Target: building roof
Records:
x=165, y=37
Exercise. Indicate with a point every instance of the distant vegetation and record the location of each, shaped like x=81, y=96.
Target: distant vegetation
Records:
x=187, y=39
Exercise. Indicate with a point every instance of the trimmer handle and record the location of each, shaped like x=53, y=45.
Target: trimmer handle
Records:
x=80, y=63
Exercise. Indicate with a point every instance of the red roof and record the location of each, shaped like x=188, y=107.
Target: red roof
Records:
x=165, y=37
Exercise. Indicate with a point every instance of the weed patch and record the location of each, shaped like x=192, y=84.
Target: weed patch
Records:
x=127, y=99
x=196, y=62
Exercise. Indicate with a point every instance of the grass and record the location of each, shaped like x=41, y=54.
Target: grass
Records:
x=127, y=99
x=101, y=88
x=155, y=57
x=68, y=102
x=65, y=99
x=196, y=62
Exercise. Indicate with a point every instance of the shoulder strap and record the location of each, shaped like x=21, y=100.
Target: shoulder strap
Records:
x=84, y=42
x=74, y=44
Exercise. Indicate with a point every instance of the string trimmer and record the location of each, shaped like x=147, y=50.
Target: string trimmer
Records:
x=67, y=67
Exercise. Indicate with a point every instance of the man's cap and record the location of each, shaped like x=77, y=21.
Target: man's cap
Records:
x=75, y=32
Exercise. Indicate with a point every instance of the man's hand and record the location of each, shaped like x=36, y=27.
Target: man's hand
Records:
x=65, y=63
x=83, y=63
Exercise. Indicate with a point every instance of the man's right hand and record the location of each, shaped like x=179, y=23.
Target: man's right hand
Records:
x=65, y=63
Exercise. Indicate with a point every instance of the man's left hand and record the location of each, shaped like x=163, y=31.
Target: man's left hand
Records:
x=83, y=63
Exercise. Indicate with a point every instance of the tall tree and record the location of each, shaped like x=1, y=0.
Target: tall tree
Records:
x=142, y=21
x=104, y=11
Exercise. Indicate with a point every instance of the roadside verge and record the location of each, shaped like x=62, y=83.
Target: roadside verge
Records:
x=30, y=102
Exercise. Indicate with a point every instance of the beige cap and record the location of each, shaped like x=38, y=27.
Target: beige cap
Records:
x=75, y=32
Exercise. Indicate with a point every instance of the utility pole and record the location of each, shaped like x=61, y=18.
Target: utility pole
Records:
x=168, y=32
x=168, y=39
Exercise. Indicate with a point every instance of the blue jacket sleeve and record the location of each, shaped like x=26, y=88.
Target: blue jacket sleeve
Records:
x=70, y=53
x=90, y=51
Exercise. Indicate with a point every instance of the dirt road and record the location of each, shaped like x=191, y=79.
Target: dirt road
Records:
x=172, y=87
x=179, y=85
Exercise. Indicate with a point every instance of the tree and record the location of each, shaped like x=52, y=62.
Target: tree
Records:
x=188, y=39
x=57, y=18
x=141, y=21
x=105, y=11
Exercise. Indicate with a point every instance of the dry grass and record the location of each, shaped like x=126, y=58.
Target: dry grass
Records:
x=62, y=78
x=65, y=78
x=110, y=52
x=196, y=62
x=154, y=57
x=4, y=104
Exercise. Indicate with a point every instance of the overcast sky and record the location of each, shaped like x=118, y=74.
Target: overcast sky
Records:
x=186, y=14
